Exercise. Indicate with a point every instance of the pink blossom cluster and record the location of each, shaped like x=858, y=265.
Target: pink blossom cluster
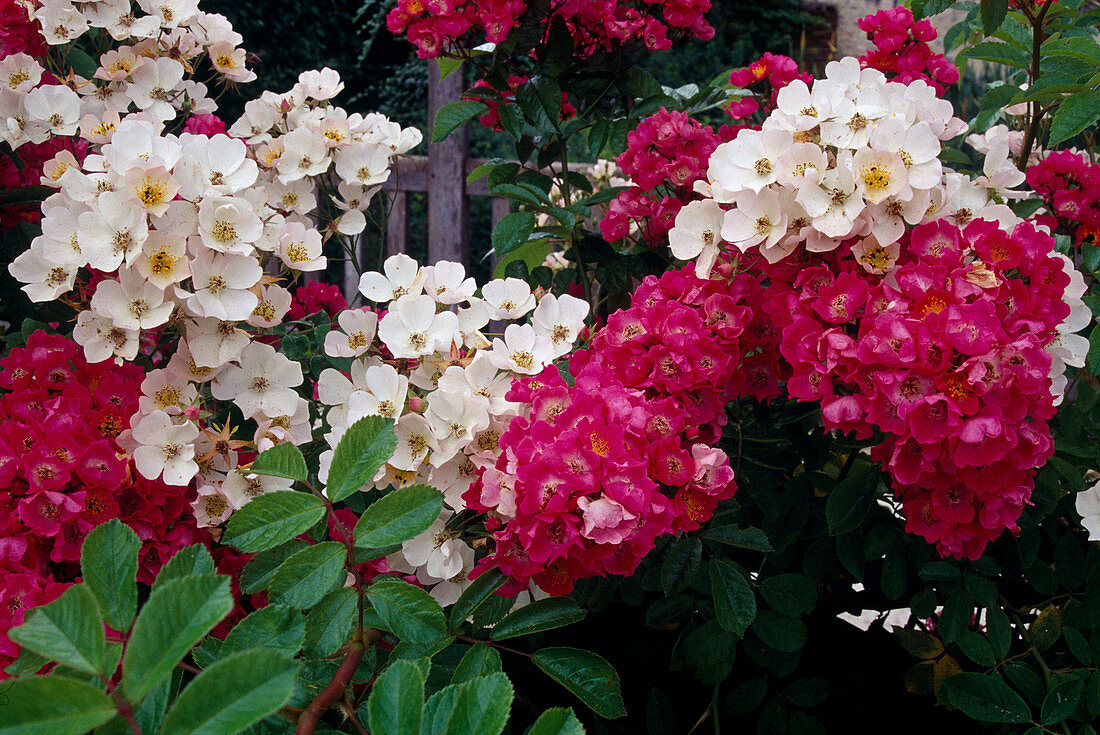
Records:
x=315, y=297
x=595, y=471
x=947, y=358
x=902, y=51
x=436, y=27
x=62, y=473
x=665, y=156
x=1070, y=188
x=19, y=32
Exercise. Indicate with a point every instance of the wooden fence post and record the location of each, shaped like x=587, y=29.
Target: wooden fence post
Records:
x=448, y=208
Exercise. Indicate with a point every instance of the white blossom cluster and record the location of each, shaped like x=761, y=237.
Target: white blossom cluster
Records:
x=158, y=231
x=443, y=382
x=852, y=157
x=148, y=77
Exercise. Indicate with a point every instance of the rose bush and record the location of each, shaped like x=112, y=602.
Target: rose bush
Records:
x=807, y=397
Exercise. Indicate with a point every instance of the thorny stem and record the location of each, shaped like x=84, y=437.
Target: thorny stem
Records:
x=127, y=711
x=1036, y=106
x=307, y=721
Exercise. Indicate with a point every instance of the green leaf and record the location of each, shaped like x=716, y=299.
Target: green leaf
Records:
x=985, y=698
x=474, y=596
x=1072, y=117
x=365, y=447
x=976, y=648
x=590, y=678
x=52, y=705
x=257, y=574
x=174, y=618
x=557, y=721
x=999, y=631
x=790, y=594
x=68, y=630
x=275, y=628
x=998, y=52
x=918, y=643
x=512, y=231
x=309, y=575
x=742, y=538
x=452, y=116
x=511, y=119
x=282, y=460
x=193, y=559
x=540, y=615
x=734, y=602
x=398, y=516
x=396, y=703
x=409, y=612
x=233, y=694
x=1061, y=701
x=482, y=706
x=28, y=662
x=780, y=632
x=480, y=660
x=1046, y=629
x=927, y=8
x=448, y=66
x=328, y=624
x=108, y=562
x=851, y=499
x=273, y=519
x=680, y=564
x=81, y=62
x=993, y=14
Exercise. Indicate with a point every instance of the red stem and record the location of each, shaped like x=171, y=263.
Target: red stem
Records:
x=308, y=720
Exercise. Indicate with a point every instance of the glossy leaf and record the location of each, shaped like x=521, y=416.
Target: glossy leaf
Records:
x=329, y=623
x=174, y=618
x=68, y=630
x=310, y=574
x=233, y=694
x=52, y=705
x=557, y=721
x=734, y=601
x=282, y=460
x=362, y=450
x=193, y=559
x=396, y=703
x=540, y=615
x=273, y=519
x=474, y=596
x=589, y=677
x=985, y=698
x=108, y=563
x=407, y=611
x=398, y=516
x=275, y=628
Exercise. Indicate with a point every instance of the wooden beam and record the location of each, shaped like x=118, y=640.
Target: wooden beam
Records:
x=397, y=226
x=448, y=207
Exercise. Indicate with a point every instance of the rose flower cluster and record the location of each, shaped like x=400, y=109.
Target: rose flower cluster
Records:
x=902, y=50
x=949, y=358
x=909, y=298
x=63, y=472
x=592, y=473
x=437, y=27
x=666, y=154
x=1069, y=185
